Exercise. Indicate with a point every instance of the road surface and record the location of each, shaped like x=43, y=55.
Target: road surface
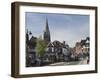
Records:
x=84, y=61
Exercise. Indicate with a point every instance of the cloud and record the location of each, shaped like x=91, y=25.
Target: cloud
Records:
x=69, y=28
x=71, y=36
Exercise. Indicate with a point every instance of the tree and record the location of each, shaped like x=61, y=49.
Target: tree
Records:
x=27, y=37
x=32, y=42
x=40, y=47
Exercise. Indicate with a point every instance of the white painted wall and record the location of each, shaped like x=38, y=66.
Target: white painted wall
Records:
x=5, y=40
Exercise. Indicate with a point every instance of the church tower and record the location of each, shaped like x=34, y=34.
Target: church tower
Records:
x=47, y=33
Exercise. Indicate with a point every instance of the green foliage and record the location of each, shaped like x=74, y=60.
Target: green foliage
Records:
x=33, y=43
x=40, y=47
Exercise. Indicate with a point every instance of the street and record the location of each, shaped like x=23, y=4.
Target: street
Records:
x=84, y=61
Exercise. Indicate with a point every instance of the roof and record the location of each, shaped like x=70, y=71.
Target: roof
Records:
x=83, y=42
x=33, y=38
x=56, y=44
x=50, y=45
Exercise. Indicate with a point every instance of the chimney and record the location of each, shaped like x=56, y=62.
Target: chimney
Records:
x=64, y=42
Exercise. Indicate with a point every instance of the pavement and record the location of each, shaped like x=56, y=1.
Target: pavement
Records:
x=84, y=61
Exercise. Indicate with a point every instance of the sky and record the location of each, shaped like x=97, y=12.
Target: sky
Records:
x=71, y=28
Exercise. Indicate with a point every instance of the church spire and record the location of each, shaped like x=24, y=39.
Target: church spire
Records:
x=47, y=33
x=47, y=27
